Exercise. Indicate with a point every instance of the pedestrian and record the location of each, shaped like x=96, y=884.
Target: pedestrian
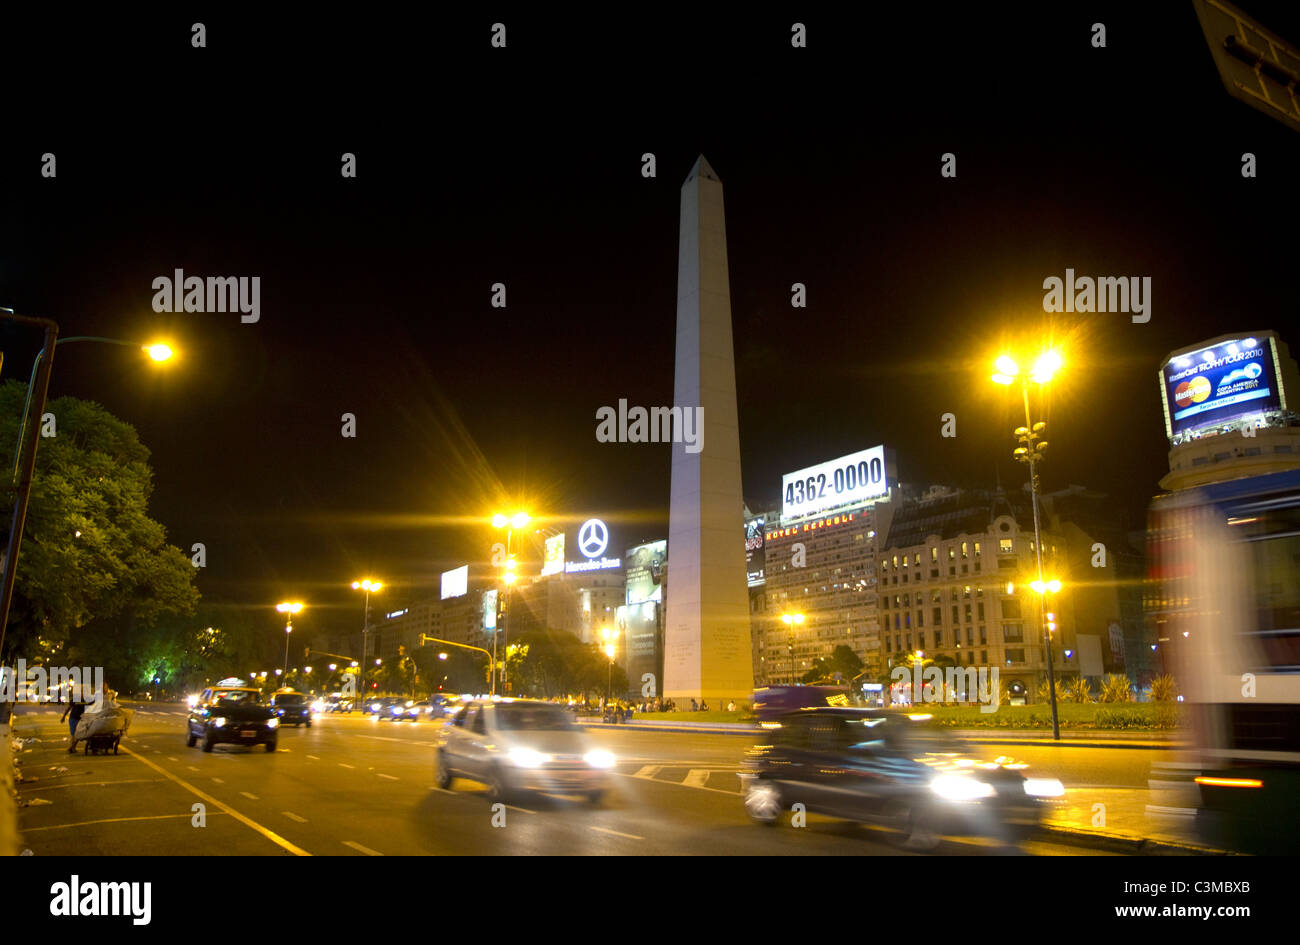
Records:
x=73, y=713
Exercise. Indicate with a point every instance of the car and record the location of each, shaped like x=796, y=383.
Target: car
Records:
x=393, y=708
x=292, y=707
x=232, y=714
x=515, y=746
x=887, y=767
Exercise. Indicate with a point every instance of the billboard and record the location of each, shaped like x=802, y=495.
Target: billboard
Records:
x=455, y=583
x=755, y=556
x=646, y=567
x=1224, y=380
x=554, y=560
x=490, y=609
x=856, y=479
x=638, y=625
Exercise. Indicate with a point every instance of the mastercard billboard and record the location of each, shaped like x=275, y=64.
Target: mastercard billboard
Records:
x=1227, y=379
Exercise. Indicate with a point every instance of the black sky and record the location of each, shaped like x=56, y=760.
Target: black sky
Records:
x=522, y=166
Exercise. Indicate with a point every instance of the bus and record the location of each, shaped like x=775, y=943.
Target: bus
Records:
x=1224, y=591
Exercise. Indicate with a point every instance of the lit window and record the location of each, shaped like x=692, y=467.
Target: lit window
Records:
x=963, y=549
x=1004, y=545
x=977, y=549
x=934, y=554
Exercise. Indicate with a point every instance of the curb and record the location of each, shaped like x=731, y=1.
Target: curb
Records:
x=1126, y=843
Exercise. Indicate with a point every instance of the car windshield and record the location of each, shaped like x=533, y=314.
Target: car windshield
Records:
x=532, y=718
x=291, y=698
x=237, y=697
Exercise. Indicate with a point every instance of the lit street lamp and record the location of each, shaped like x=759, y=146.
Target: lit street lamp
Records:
x=609, y=636
x=1031, y=452
x=288, y=608
x=366, y=585
x=509, y=523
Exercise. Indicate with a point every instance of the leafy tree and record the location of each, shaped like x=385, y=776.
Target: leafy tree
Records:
x=842, y=660
x=90, y=551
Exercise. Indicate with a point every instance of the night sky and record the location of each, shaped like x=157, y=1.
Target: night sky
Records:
x=522, y=166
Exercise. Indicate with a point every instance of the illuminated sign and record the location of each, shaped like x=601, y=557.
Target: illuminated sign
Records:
x=755, y=556
x=811, y=526
x=1227, y=380
x=853, y=480
x=593, y=539
x=646, y=567
x=554, y=561
x=490, y=609
x=396, y=613
x=455, y=583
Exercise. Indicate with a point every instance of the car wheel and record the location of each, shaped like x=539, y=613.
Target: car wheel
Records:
x=270, y=746
x=595, y=797
x=763, y=801
x=497, y=792
x=208, y=742
x=190, y=739
x=442, y=774
x=309, y=724
x=910, y=826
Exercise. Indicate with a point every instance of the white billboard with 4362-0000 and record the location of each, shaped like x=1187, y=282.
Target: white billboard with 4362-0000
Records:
x=856, y=479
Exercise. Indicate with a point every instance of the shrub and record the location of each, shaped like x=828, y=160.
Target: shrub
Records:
x=1163, y=689
x=1115, y=688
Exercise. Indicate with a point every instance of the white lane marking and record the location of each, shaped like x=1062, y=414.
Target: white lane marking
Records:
x=522, y=810
x=390, y=777
x=696, y=787
x=218, y=780
x=172, y=758
x=292, y=816
x=359, y=848
x=1179, y=811
x=251, y=797
x=342, y=765
x=443, y=790
x=192, y=768
x=313, y=758
x=647, y=771
x=629, y=836
x=696, y=777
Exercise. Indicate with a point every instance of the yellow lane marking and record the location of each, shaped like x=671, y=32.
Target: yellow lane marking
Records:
x=246, y=821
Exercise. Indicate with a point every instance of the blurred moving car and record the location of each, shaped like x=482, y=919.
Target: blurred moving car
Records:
x=521, y=746
x=872, y=765
x=232, y=714
x=292, y=707
x=393, y=708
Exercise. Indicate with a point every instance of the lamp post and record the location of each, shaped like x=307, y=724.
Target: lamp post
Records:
x=367, y=585
x=509, y=523
x=25, y=453
x=1031, y=453
x=791, y=621
x=288, y=608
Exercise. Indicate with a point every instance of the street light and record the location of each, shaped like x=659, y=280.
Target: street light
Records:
x=1006, y=370
x=609, y=636
x=25, y=453
x=367, y=585
x=510, y=523
x=290, y=608
x=792, y=621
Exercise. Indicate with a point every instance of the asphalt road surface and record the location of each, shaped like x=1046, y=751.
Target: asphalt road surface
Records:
x=353, y=786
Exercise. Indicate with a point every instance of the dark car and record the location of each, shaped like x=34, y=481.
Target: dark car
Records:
x=293, y=708
x=232, y=714
x=772, y=702
x=393, y=708
x=886, y=767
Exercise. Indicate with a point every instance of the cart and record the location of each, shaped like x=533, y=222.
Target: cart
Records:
x=103, y=732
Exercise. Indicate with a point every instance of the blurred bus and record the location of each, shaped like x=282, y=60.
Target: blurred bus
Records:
x=1224, y=589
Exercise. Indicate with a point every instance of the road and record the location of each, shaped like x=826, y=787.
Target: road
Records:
x=358, y=787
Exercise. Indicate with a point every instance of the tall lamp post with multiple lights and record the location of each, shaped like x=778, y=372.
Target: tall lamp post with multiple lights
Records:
x=509, y=523
x=366, y=585
x=1007, y=371
x=288, y=608
x=791, y=621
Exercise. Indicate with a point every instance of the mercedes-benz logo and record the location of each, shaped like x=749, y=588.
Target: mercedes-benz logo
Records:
x=593, y=538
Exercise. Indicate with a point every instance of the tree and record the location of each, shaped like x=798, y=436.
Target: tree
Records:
x=842, y=660
x=90, y=551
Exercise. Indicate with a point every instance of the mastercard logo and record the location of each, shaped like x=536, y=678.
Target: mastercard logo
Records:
x=1192, y=392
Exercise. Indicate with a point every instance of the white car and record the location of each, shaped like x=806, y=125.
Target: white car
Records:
x=517, y=745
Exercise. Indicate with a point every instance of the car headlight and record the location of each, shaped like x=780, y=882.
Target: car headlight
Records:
x=527, y=758
x=599, y=759
x=193, y=701
x=272, y=723
x=219, y=721
x=956, y=787
x=1044, y=787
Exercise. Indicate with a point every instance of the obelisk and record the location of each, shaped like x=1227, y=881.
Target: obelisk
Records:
x=706, y=635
